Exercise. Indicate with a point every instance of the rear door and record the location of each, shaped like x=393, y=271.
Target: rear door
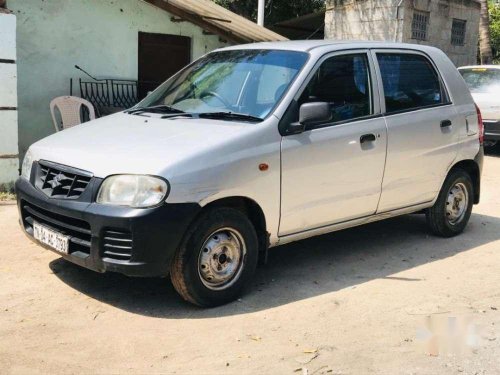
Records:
x=423, y=128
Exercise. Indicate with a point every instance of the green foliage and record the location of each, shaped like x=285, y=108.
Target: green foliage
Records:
x=7, y=192
x=276, y=10
x=7, y=197
x=494, y=11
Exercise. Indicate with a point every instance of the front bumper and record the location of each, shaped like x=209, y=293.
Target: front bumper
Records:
x=134, y=242
x=491, y=130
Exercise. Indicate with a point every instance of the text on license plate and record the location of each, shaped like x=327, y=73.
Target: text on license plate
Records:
x=51, y=238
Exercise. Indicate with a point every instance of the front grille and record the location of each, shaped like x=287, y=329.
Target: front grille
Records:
x=78, y=230
x=117, y=244
x=61, y=182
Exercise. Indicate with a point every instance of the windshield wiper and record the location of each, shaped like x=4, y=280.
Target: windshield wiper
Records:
x=155, y=109
x=230, y=116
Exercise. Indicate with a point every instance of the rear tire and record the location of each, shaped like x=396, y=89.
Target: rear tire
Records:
x=217, y=259
x=451, y=212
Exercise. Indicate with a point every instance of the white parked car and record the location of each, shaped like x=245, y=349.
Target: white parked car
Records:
x=252, y=147
x=484, y=84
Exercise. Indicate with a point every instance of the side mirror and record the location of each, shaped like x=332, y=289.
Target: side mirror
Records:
x=309, y=114
x=314, y=113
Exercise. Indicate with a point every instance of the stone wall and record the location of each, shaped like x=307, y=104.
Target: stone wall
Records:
x=362, y=20
x=391, y=20
x=439, y=32
x=9, y=162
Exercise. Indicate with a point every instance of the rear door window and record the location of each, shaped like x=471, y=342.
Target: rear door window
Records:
x=410, y=82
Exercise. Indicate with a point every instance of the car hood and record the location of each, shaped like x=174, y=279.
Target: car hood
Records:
x=124, y=143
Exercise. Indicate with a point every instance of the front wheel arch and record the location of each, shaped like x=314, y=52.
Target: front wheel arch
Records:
x=220, y=283
x=255, y=214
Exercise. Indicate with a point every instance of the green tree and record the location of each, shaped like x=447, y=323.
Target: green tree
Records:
x=485, y=52
x=276, y=10
x=494, y=11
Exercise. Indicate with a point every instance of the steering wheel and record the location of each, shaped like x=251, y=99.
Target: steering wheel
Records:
x=215, y=95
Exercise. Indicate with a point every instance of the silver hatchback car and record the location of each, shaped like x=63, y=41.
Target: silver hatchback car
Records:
x=252, y=147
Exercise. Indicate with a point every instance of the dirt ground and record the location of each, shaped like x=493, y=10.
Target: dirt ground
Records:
x=362, y=301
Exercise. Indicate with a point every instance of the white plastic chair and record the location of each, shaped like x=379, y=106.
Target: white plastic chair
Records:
x=70, y=109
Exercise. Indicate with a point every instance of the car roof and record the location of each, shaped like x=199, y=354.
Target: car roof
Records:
x=480, y=67
x=308, y=45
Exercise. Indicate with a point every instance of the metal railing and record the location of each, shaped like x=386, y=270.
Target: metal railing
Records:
x=110, y=95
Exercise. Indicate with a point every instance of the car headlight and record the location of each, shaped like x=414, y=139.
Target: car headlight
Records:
x=27, y=164
x=133, y=191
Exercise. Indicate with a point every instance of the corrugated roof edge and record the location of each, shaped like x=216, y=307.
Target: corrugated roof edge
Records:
x=218, y=20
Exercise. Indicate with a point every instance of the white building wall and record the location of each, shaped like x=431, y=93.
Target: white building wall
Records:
x=9, y=162
x=100, y=36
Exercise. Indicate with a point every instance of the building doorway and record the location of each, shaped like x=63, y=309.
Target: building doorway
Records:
x=160, y=56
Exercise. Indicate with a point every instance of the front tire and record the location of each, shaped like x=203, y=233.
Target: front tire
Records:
x=451, y=212
x=217, y=259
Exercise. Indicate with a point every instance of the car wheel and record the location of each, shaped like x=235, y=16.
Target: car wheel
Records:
x=217, y=259
x=451, y=212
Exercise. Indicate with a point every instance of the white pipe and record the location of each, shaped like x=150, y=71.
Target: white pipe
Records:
x=260, y=13
x=397, y=20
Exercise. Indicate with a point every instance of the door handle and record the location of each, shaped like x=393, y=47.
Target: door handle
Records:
x=367, y=138
x=445, y=123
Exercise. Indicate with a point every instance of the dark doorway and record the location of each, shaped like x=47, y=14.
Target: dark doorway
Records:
x=160, y=56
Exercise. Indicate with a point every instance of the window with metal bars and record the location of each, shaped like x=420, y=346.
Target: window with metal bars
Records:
x=419, y=25
x=458, y=32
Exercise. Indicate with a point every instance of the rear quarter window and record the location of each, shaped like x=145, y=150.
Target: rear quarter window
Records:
x=410, y=82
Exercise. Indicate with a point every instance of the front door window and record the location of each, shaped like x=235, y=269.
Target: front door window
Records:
x=343, y=82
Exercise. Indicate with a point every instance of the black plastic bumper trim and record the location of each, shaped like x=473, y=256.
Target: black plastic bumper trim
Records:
x=155, y=232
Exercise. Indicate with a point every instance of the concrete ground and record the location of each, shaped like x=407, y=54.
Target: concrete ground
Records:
x=386, y=298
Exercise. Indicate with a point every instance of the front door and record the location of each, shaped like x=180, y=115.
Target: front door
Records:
x=160, y=57
x=423, y=129
x=333, y=171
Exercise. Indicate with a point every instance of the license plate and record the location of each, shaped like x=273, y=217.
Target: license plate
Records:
x=47, y=236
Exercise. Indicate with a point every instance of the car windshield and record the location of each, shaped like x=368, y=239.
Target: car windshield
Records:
x=242, y=82
x=482, y=80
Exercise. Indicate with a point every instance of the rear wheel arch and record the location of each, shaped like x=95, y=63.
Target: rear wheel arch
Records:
x=450, y=213
x=472, y=169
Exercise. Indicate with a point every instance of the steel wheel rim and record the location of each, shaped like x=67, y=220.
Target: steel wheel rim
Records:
x=457, y=202
x=221, y=259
